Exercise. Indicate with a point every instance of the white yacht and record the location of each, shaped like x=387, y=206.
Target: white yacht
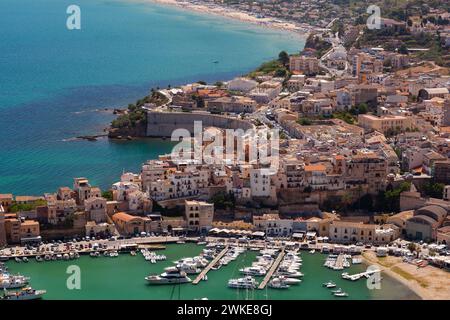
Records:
x=289, y=273
x=197, y=261
x=243, y=283
x=287, y=280
x=254, y=271
x=170, y=276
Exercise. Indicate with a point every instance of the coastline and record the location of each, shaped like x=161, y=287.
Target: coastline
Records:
x=428, y=282
x=269, y=23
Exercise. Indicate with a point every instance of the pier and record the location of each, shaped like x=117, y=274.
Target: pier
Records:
x=357, y=276
x=339, y=262
x=210, y=265
x=272, y=269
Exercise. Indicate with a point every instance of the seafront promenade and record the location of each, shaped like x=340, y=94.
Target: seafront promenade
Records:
x=88, y=246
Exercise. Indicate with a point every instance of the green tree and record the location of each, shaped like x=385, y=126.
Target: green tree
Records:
x=107, y=195
x=434, y=190
x=283, y=57
x=403, y=49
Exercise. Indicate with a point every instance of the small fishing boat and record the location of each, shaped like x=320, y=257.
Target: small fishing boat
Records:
x=312, y=251
x=133, y=253
x=18, y=259
x=39, y=259
x=329, y=284
x=25, y=259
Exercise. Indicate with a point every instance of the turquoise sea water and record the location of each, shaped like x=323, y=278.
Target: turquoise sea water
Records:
x=123, y=278
x=55, y=82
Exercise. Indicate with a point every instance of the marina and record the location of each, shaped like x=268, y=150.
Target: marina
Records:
x=96, y=283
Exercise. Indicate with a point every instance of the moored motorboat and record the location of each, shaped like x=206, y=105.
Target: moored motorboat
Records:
x=171, y=275
x=340, y=294
x=287, y=280
x=243, y=283
x=329, y=284
x=254, y=271
x=24, y=294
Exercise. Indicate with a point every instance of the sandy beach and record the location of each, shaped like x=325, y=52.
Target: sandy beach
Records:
x=429, y=283
x=236, y=15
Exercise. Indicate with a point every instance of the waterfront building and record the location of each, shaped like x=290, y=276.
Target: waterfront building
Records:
x=30, y=232
x=273, y=225
x=104, y=229
x=423, y=225
x=130, y=225
x=399, y=219
x=199, y=215
x=21, y=231
x=349, y=232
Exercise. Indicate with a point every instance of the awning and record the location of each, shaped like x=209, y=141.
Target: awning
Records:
x=258, y=234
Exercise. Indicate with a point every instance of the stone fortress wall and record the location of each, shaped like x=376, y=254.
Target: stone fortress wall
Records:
x=162, y=124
